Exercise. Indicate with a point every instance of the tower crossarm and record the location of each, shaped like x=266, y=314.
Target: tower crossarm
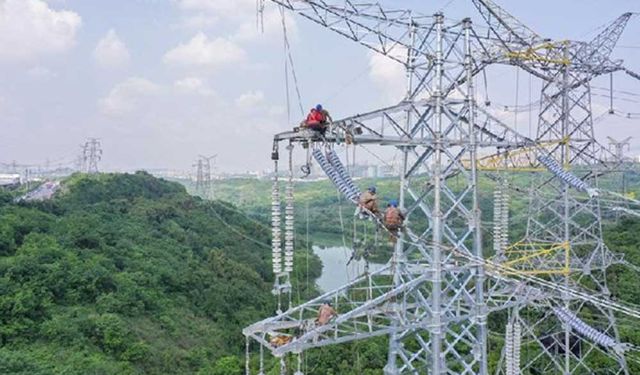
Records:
x=596, y=53
x=386, y=126
x=390, y=32
x=504, y=26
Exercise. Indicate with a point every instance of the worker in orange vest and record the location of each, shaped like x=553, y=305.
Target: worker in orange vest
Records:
x=325, y=313
x=393, y=220
x=317, y=119
x=368, y=203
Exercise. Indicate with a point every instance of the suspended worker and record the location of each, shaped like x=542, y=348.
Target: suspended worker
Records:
x=368, y=203
x=318, y=119
x=325, y=313
x=393, y=219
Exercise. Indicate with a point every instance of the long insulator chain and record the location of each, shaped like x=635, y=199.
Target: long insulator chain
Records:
x=513, y=343
x=554, y=167
x=508, y=348
x=517, y=345
x=288, y=218
x=334, y=159
x=299, y=371
x=504, y=217
x=497, y=215
x=584, y=329
x=334, y=176
x=501, y=217
x=276, y=212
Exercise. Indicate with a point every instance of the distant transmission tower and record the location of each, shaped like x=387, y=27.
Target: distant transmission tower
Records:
x=617, y=147
x=91, y=155
x=204, y=181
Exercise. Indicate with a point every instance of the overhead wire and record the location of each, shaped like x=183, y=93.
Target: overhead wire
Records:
x=289, y=62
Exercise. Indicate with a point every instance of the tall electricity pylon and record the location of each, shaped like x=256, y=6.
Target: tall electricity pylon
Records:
x=435, y=295
x=204, y=179
x=559, y=217
x=91, y=155
x=617, y=147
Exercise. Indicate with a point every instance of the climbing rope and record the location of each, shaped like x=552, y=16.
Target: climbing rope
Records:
x=289, y=62
x=247, y=369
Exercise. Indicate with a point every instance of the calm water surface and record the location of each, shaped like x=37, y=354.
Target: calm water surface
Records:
x=335, y=272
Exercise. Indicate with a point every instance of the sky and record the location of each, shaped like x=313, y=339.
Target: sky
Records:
x=160, y=82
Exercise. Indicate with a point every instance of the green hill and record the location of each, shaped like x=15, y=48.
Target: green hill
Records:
x=128, y=274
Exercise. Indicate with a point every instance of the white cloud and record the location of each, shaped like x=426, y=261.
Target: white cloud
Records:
x=126, y=96
x=198, y=21
x=250, y=100
x=225, y=8
x=193, y=85
x=388, y=75
x=111, y=52
x=41, y=72
x=30, y=29
x=202, y=52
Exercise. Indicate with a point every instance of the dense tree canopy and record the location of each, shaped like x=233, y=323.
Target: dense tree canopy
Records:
x=126, y=274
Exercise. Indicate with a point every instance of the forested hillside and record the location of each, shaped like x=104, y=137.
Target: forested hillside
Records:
x=128, y=274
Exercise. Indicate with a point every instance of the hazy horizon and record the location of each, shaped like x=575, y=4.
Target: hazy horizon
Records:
x=161, y=82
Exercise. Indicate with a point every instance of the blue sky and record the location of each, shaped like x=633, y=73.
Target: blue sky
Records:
x=161, y=81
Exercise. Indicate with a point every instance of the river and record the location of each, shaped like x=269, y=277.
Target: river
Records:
x=335, y=273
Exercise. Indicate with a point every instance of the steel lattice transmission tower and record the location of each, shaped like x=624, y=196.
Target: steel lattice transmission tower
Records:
x=204, y=178
x=618, y=147
x=432, y=303
x=434, y=296
x=91, y=155
x=559, y=216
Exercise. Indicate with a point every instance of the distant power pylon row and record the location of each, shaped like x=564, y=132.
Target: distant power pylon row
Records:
x=90, y=156
x=204, y=181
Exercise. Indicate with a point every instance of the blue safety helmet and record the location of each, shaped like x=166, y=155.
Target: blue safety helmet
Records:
x=393, y=203
x=372, y=189
x=319, y=107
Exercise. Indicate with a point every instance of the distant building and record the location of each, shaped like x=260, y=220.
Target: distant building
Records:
x=9, y=179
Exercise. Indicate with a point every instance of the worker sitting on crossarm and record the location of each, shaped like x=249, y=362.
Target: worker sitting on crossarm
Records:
x=393, y=219
x=368, y=203
x=325, y=313
x=317, y=119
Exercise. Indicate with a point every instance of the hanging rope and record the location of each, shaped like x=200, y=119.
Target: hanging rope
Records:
x=260, y=15
x=261, y=360
x=515, y=113
x=246, y=360
x=299, y=372
x=283, y=367
x=289, y=62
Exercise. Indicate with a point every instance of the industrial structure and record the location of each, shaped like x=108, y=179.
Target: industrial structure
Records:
x=204, y=180
x=434, y=297
x=91, y=156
